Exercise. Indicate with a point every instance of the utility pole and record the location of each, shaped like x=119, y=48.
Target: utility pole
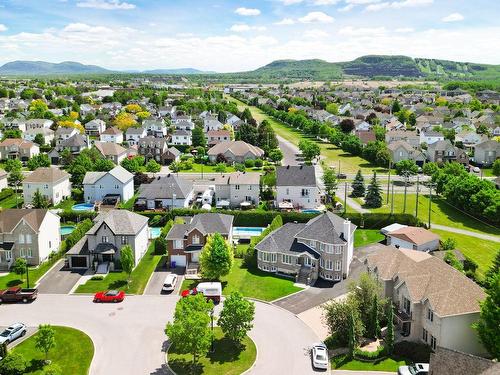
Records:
x=406, y=176
x=339, y=168
x=345, y=198
x=392, y=200
x=416, y=204
x=389, y=181
x=27, y=272
x=431, y=185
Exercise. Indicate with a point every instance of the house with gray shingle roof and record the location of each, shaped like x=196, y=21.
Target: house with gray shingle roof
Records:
x=165, y=192
x=322, y=247
x=296, y=187
x=185, y=241
x=97, y=186
x=101, y=246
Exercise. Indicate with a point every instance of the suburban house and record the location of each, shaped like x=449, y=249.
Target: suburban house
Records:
x=296, y=187
x=184, y=125
x=38, y=123
x=434, y=303
x=3, y=180
x=322, y=247
x=237, y=189
x=211, y=123
x=15, y=148
x=112, y=135
x=486, y=153
x=444, y=151
x=100, y=247
x=235, y=151
x=64, y=133
x=95, y=127
x=112, y=151
x=470, y=138
x=185, y=241
x=153, y=148
x=217, y=136
x=101, y=186
x=414, y=238
x=165, y=192
x=32, y=234
x=155, y=127
x=430, y=136
x=47, y=134
x=181, y=137
x=52, y=183
x=402, y=150
x=411, y=137
x=75, y=144
x=172, y=154
x=133, y=135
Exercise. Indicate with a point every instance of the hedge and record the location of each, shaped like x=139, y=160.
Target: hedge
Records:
x=76, y=216
x=378, y=354
x=416, y=352
x=264, y=218
x=77, y=234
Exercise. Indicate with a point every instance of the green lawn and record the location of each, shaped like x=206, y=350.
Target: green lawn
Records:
x=73, y=352
x=252, y=283
x=227, y=359
x=66, y=204
x=342, y=362
x=118, y=280
x=129, y=205
x=10, y=202
x=480, y=251
x=197, y=168
x=364, y=237
x=35, y=273
x=441, y=212
x=331, y=153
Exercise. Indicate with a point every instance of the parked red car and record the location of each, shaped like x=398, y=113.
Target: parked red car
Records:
x=110, y=296
x=189, y=292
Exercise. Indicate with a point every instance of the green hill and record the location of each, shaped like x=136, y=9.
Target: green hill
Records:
x=303, y=69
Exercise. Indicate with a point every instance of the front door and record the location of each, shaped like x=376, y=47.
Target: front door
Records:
x=195, y=257
x=307, y=262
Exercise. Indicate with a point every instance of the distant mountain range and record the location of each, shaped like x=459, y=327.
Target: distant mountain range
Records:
x=366, y=66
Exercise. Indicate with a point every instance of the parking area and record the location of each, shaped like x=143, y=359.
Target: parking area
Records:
x=29, y=332
x=59, y=280
x=155, y=284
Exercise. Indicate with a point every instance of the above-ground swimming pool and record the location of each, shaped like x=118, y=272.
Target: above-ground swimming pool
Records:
x=247, y=231
x=311, y=211
x=83, y=207
x=154, y=232
x=67, y=229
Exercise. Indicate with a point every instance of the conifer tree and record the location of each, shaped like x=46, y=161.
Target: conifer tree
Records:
x=358, y=185
x=373, y=197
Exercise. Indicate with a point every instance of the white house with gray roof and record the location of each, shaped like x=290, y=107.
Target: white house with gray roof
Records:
x=165, y=192
x=116, y=182
x=237, y=189
x=52, y=183
x=101, y=246
x=133, y=135
x=322, y=247
x=296, y=187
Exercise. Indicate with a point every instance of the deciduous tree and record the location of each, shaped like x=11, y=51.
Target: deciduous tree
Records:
x=216, y=258
x=127, y=260
x=45, y=339
x=236, y=317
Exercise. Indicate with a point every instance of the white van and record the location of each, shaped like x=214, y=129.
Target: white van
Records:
x=169, y=283
x=211, y=291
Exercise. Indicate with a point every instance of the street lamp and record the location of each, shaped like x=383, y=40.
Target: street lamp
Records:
x=431, y=185
x=212, y=324
x=27, y=271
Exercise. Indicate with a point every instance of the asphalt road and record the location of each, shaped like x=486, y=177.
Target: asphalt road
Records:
x=129, y=337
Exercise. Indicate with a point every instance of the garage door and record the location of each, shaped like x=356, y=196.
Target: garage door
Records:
x=79, y=262
x=180, y=260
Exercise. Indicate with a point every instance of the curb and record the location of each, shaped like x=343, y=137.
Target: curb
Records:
x=289, y=295
x=45, y=274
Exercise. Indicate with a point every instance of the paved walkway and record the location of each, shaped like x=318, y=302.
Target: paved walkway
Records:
x=488, y=237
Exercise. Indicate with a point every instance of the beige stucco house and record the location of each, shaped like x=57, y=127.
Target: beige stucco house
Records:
x=53, y=184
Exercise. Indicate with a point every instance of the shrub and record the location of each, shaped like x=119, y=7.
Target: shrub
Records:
x=370, y=356
x=332, y=342
x=77, y=194
x=239, y=167
x=258, y=163
x=78, y=233
x=155, y=221
x=249, y=163
x=13, y=364
x=97, y=278
x=76, y=216
x=416, y=352
x=240, y=252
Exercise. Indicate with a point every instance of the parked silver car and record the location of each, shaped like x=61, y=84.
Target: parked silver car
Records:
x=319, y=353
x=13, y=332
x=415, y=369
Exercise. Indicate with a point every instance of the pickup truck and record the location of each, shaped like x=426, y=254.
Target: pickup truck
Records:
x=17, y=294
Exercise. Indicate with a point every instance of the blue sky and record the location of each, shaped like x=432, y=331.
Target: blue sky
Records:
x=238, y=35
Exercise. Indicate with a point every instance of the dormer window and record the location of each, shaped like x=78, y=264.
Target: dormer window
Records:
x=196, y=239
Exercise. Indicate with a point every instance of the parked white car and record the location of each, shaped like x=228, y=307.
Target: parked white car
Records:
x=319, y=353
x=12, y=333
x=415, y=369
x=169, y=283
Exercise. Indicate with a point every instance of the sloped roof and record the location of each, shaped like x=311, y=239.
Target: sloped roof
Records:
x=121, y=222
x=207, y=223
x=46, y=175
x=120, y=173
x=448, y=290
x=237, y=148
x=296, y=175
x=238, y=178
x=415, y=235
x=109, y=148
x=11, y=217
x=327, y=228
x=164, y=187
x=112, y=131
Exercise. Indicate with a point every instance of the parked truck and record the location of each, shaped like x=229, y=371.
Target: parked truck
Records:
x=17, y=294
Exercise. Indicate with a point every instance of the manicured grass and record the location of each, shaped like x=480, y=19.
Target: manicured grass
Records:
x=129, y=205
x=364, y=237
x=73, y=352
x=252, y=283
x=227, y=358
x=331, y=153
x=118, y=280
x=10, y=202
x=389, y=364
x=197, y=168
x=67, y=204
x=35, y=273
x=441, y=212
x=480, y=251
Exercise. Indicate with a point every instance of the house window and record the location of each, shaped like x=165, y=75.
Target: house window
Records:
x=8, y=255
x=424, y=334
x=21, y=238
x=178, y=244
x=406, y=305
x=305, y=192
x=50, y=244
x=433, y=342
x=28, y=238
x=104, y=239
x=287, y=191
x=196, y=239
x=322, y=262
x=269, y=257
x=286, y=259
x=338, y=249
x=124, y=240
x=338, y=265
x=337, y=277
x=329, y=249
x=29, y=253
x=329, y=265
x=430, y=315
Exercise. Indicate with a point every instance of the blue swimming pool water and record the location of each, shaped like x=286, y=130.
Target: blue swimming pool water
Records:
x=311, y=211
x=247, y=231
x=83, y=207
x=154, y=232
x=64, y=231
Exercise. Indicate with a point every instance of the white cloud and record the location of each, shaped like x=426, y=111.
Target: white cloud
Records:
x=285, y=21
x=3, y=27
x=362, y=31
x=247, y=11
x=316, y=34
x=403, y=30
x=347, y=8
x=453, y=17
x=325, y=2
x=105, y=4
x=291, y=2
x=398, y=5
x=316, y=17
x=362, y=2
x=242, y=27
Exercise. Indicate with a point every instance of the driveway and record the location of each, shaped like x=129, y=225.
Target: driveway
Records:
x=29, y=332
x=134, y=329
x=58, y=280
x=155, y=284
x=324, y=291
x=290, y=152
